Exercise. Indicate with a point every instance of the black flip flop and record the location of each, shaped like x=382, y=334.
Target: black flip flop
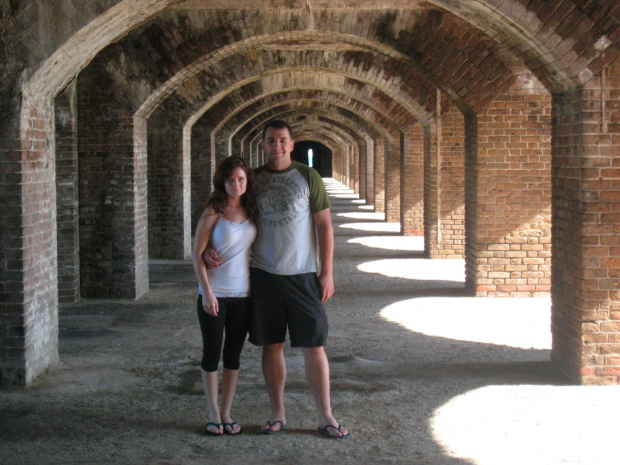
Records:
x=211, y=433
x=232, y=426
x=325, y=431
x=271, y=424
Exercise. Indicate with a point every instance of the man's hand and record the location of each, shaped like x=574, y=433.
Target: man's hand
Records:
x=326, y=281
x=211, y=258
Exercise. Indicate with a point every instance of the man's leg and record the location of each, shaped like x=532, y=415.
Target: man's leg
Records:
x=274, y=371
x=317, y=376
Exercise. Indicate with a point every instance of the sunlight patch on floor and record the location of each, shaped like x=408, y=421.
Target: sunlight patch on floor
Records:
x=410, y=243
x=417, y=268
x=378, y=227
x=516, y=425
x=513, y=322
x=362, y=215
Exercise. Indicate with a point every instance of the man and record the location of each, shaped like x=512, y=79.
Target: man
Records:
x=286, y=291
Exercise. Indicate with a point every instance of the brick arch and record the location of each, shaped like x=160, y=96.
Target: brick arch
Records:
x=384, y=195
x=398, y=100
x=367, y=57
x=561, y=58
x=353, y=122
x=347, y=98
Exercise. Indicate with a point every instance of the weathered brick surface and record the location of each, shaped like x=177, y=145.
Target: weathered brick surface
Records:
x=113, y=197
x=412, y=182
x=585, y=320
x=444, y=187
x=198, y=80
x=67, y=195
x=168, y=187
x=510, y=251
x=392, y=177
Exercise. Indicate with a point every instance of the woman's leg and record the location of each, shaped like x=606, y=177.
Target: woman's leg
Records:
x=210, y=385
x=212, y=329
x=229, y=387
x=237, y=323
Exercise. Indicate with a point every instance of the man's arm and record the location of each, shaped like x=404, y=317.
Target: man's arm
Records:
x=325, y=230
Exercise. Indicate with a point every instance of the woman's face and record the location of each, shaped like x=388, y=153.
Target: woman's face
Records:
x=236, y=183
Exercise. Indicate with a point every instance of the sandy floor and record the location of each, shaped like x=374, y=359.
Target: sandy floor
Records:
x=421, y=374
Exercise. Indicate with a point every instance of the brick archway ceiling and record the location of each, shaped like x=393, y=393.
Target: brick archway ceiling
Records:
x=364, y=121
x=398, y=58
x=336, y=115
x=317, y=121
x=241, y=105
x=563, y=42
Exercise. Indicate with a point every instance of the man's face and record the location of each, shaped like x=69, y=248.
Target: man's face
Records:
x=277, y=145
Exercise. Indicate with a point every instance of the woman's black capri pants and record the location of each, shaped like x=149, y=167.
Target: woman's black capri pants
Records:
x=232, y=320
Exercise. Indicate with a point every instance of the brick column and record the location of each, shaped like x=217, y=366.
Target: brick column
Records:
x=412, y=182
x=361, y=170
x=355, y=169
x=28, y=247
x=392, y=178
x=379, y=178
x=370, y=172
x=113, y=193
x=432, y=201
x=202, y=169
x=586, y=230
x=168, y=187
x=452, y=185
x=508, y=217
x=67, y=199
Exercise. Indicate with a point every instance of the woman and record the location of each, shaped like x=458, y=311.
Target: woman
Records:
x=227, y=223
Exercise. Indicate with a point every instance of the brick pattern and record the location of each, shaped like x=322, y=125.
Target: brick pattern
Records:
x=379, y=68
x=586, y=263
x=67, y=198
x=29, y=292
x=392, y=177
x=510, y=252
x=168, y=187
x=412, y=182
x=452, y=173
x=432, y=189
x=113, y=192
x=379, y=178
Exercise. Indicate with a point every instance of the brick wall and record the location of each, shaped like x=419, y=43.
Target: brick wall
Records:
x=586, y=227
x=379, y=175
x=28, y=254
x=452, y=185
x=202, y=169
x=412, y=181
x=392, y=177
x=509, y=254
x=67, y=200
x=167, y=184
x=113, y=196
x=370, y=172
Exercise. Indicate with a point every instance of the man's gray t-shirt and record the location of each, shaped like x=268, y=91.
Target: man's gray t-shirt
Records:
x=286, y=243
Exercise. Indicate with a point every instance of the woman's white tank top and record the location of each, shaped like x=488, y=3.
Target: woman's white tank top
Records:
x=232, y=242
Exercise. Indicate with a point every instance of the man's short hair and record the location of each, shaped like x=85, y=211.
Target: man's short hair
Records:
x=277, y=124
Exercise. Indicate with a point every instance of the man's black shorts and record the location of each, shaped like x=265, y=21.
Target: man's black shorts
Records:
x=292, y=301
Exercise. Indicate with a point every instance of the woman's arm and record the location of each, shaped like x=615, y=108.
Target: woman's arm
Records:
x=205, y=226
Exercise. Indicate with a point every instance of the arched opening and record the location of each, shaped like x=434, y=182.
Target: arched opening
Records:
x=321, y=156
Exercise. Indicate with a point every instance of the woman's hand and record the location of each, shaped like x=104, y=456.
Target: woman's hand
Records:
x=209, y=303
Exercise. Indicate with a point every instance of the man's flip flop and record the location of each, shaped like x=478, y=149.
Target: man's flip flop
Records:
x=325, y=431
x=271, y=425
x=232, y=427
x=211, y=433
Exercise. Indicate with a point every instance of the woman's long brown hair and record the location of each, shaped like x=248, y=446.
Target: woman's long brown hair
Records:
x=224, y=170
